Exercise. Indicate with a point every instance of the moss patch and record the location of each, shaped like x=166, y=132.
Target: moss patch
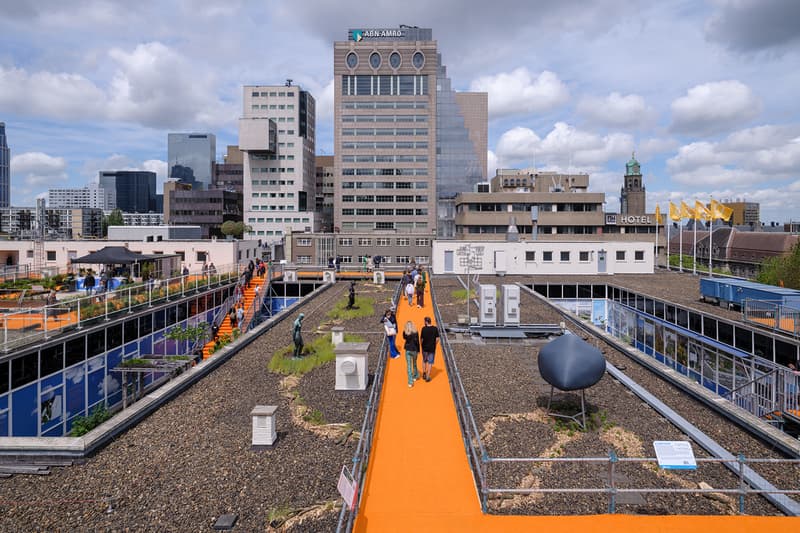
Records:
x=316, y=353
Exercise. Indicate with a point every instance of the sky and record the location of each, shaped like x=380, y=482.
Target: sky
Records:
x=704, y=91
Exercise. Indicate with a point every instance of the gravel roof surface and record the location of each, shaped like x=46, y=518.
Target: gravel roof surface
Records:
x=679, y=288
x=191, y=461
x=508, y=397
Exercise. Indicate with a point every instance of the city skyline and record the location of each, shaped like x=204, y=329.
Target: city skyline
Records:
x=703, y=92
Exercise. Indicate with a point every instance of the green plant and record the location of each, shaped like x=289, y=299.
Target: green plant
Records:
x=461, y=294
x=320, y=351
x=314, y=417
x=84, y=424
x=135, y=362
x=364, y=307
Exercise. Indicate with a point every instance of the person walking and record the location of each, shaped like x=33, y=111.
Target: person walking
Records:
x=240, y=317
x=370, y=264
x=410, y=293
x=390, y=327
x=429, y=335
x=419, y=288
x=88, y=282
x=411, y=347
x=232, y=316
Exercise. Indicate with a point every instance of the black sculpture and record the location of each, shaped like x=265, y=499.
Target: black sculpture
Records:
x=569, y=363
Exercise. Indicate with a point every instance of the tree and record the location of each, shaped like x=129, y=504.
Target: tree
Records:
x=782, y=269
x=235, y=229
x=113, y=219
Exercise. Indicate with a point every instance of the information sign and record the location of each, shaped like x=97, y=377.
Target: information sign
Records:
x=675, y=454
x=348, y=488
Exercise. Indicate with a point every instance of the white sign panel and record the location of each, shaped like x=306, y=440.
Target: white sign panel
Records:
x=348, y=488
x=675, y=454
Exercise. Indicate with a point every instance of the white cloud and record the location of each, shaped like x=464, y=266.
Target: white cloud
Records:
x=519, y=91
x=746, y=157
x=616, y=110
x=39, y=169
x=714, y=107
x=325, y=99
x=564, y=146
x=153, y=85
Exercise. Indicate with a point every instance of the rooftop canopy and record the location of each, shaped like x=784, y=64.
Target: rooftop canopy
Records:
x=113, y=255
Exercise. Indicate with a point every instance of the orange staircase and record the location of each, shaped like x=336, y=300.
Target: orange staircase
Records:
x=248, y=295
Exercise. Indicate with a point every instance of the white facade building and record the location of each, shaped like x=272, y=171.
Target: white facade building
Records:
x=91, y=196
x=537, y=258
x=277, y=139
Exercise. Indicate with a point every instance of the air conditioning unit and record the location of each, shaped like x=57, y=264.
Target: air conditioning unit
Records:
x=511, y=305
x=488, y=301
x=378, y=277
x=329, y=276
x=351, y=365
x=289, y=275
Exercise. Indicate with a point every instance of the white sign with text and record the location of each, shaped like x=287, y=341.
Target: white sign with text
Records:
x=675, y=454
x=348, y=487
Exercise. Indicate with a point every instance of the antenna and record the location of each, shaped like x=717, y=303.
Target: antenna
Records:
x=288, y=82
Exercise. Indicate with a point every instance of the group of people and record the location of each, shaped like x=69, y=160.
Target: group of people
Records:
x=414, y=342
x=414, y=282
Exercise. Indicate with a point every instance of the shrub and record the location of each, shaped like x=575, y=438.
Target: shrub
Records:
x=84, y=424
x=363, y=308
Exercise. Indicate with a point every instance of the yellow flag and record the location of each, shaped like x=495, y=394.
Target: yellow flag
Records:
x=674, y=212
x=700, y=211
x=658, y=215
x=686, y=211
x=719, y=210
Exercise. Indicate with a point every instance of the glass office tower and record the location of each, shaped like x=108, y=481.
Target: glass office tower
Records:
x=135, y=190
x=190, y=158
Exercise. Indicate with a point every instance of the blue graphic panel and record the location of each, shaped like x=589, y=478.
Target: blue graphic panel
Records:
x=26, y=411
x=76, y=395
x=4, y=415
x=96, y=387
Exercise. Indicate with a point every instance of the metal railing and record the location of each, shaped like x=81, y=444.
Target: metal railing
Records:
x=773, y=393
x=773, y=315
x=361, y=457
x=611, y=490
x=26, y=326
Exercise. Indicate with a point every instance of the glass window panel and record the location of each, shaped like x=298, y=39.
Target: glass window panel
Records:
x=4, y=377
x=743, y=339
x=710, y=327
x=96, y=343
x=725, y=333
x=114, y=336
x=145, y=325
x=24, y=370
x=131, y=330
x=75, y=351
x=51, y=359
x=695, y=322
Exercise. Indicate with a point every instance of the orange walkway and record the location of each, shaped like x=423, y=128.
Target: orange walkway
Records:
x=225, y=327
x=418, y=478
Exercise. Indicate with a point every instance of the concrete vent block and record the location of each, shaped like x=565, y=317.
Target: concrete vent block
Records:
x=378, y=277
x=329, y=276
x=337, y=335
x=351, y=365
x=264, y=426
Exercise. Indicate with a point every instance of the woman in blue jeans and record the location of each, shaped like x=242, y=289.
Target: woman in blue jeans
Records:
x=390, y=326
x=411, y=337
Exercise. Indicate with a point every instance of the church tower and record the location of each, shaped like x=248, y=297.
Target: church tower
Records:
x=632, y=195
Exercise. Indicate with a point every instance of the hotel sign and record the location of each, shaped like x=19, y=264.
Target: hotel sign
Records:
x=377, y=34
x=629, y=220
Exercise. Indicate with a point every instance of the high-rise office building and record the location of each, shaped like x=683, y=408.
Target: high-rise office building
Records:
x=277, y=139
x=5, y=168
x=91, y=196
x=405, y=142
x=325, y=187
x=228, y=174
x=190, y=158
x=135, y=190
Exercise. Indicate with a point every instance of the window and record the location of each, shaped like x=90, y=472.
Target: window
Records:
x=303, y=242
x=346, y=242
x=304, y=259
x=583, y=257
x=51, y=255
x=364, y=241
x=564, y=257
x=620, y=255
x=29, y=254
x=201, y=257
x=547, y=257
x=422, y=259
x=530, y=256
x=383, y=241
x=423, y=242
x=638, y=255
x=403, y=241
x=402, y=259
